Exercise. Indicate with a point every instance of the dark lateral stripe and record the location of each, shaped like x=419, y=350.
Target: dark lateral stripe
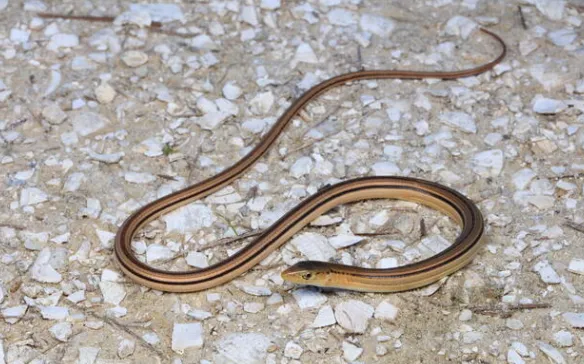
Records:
x=398, y=187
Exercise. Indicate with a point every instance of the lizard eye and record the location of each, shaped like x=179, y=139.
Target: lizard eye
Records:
x=307, y=276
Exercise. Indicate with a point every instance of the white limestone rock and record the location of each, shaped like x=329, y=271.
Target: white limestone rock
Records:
x=189, y=218
x=377, y=25
x=488, y=163
x=301, y=167
x=313, y=246
x=308, y=298
x=239, y=348
x=134, y=58
x=576, y=266
x=544, y=105
x=61, y=40
x=351, y=352
x=42, y=271
x=460, y=120
x=342, y=17
x=576, y=320
x=293, y=350
x=61, y=331
x=325, y=317
x=188, y=335
x=546, y=272
x=354, y=315
x=386, y=311
x=88, y=122
x=304, y=53
x=552, y=353
x=32, y=196
x=460, y=26
x=113, y=293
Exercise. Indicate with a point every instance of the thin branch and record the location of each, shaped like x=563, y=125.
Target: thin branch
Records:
x=523, y=22
x=15, y=227
x=505, y=311
x=567, y=176
x=228, y=222
x=122, y=327
x=326, y=116
x=90, y=18
x=380, y=233
x=423, y=230
x=227, y=241
x=154, y=26
x=572, y=225
x=167, y=177
x=360, y=59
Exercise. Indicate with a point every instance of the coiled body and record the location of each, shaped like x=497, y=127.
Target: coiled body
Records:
x=434, y=195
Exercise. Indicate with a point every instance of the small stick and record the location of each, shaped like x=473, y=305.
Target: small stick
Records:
x=15, y=227
x=116, y=325
x=573, y=225
x=360, y=59
x=167, y=177
x=567, y=176
x=154, y=26
x=523, y=22
x=226, y=241
x=506, y=311
x=575, y=6
x=423, y=230
x=96, y=19
x=330, y=113
x=381, y=233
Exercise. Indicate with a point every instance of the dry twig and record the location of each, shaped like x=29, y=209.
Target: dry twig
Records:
x=227, y=241
x=154, y=26
x=506, y=311
x=572, y=225
x=523, y=22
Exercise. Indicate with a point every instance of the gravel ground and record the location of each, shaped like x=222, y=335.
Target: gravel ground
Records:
x=98, y=118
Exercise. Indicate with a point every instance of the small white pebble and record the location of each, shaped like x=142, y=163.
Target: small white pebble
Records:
x=576, y=320
x=353, y=315
x=514, y=358
x=514, y=324
x=134, y=58
x=351, y=352
x=187, y=335
x=253, y=307
x=551, y=352
x=576, y=266
x=231, y=91
x=199, y=314
x=380, y=350
x=308, y=298
x=293, y=350
x=563, y=338
x=543, y=105
x=325, y=317
x=61, y=331
x=255, y=290
x=105, y=93
x=301, y=167
x=546, y=272
x=386, y=311
x=197, y=259
x=465, y=315
x=139, y=177
x=54, y=312
x=126, y=348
